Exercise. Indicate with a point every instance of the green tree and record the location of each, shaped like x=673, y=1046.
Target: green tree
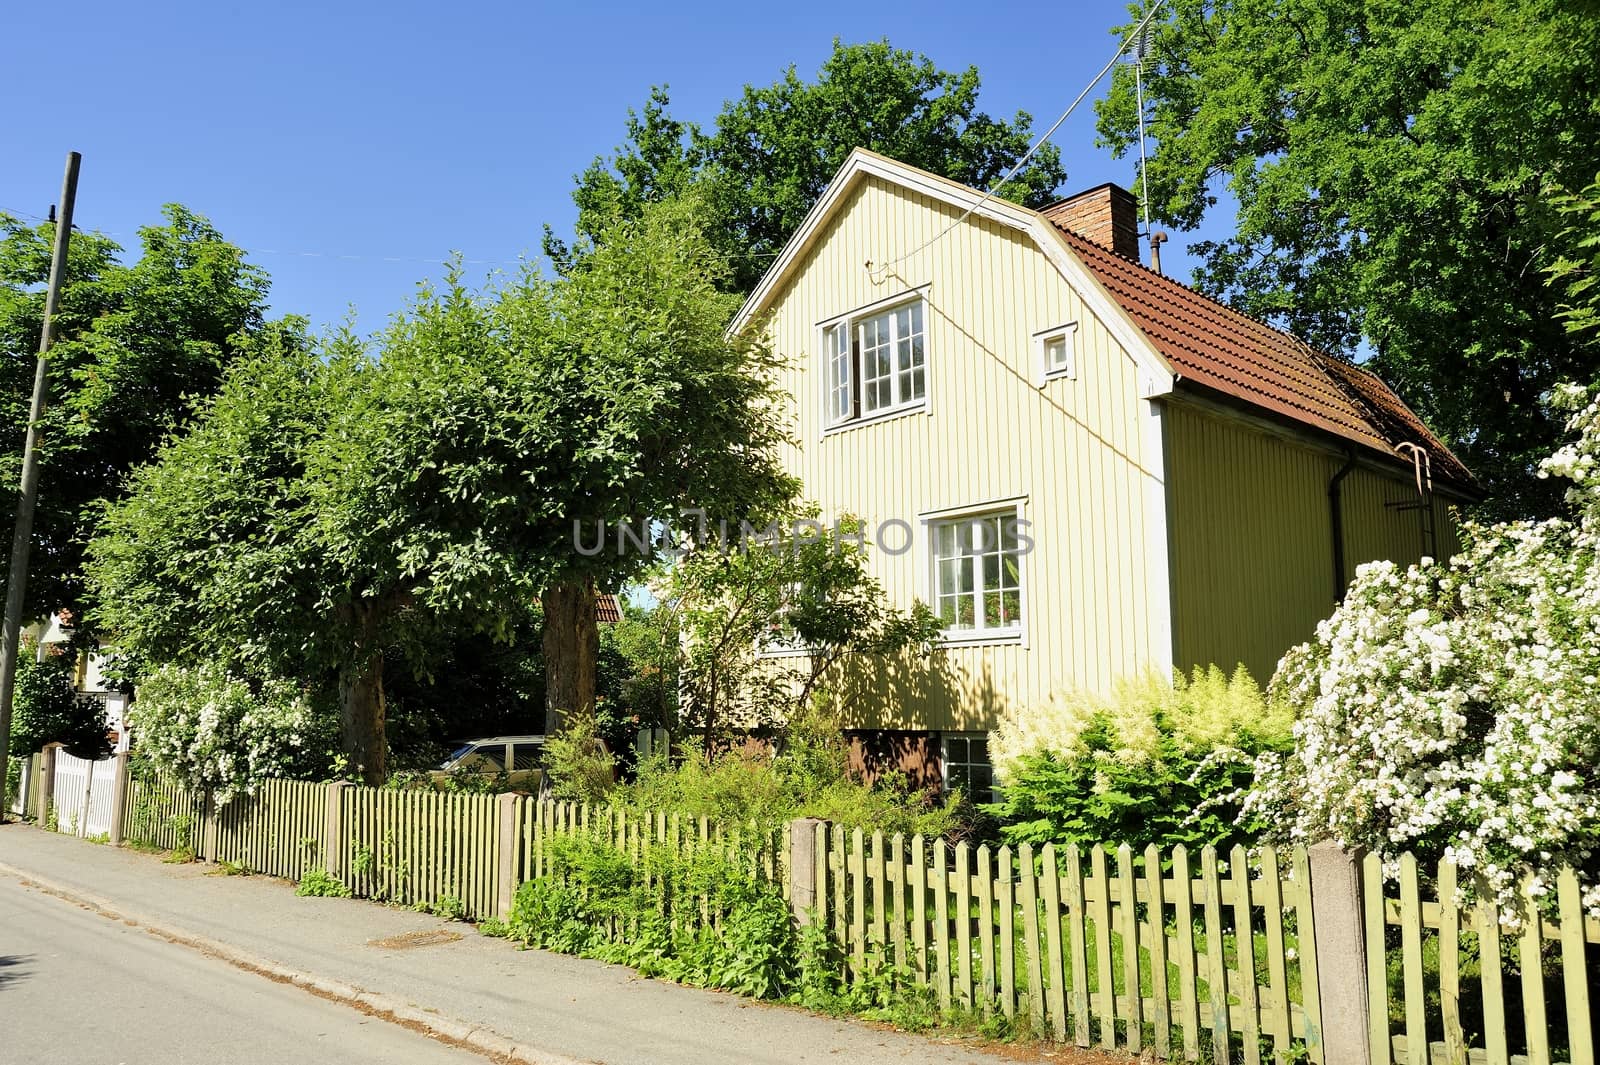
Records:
x=775, y=147
x=1576, y=269
x=1392, y=164
x=801, y=590
x=344, y=504
x=47, y=709
x=136, y=342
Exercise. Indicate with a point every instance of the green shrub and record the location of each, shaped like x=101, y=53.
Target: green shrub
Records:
x=807, y=776
x=46, y=709
x=319, y=883
x=579, y=766
x=595, y=903
x=1155, y=763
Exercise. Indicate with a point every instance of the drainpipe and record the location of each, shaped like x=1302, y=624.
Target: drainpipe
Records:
x=1336, y=519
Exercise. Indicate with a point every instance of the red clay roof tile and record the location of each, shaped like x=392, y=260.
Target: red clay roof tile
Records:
x=1211, y=344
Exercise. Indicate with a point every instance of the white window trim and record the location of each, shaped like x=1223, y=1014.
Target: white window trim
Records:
x=825, y=379
x=944, y=760
x=1018, y=635
x=1067, y=331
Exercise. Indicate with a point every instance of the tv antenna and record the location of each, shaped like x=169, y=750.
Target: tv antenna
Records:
x=1141, y=53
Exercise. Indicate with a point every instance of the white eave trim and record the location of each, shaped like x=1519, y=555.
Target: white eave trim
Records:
x=1156, y=374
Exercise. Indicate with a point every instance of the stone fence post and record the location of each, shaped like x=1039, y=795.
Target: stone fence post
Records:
x=803, y=868
x=1341, y=953
x=119, y=799
x=508, y=850
x=333, y=829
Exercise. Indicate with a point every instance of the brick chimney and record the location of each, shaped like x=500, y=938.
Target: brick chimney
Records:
x=1106, y=214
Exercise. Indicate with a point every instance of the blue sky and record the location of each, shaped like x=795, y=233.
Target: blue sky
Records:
x=351, y=147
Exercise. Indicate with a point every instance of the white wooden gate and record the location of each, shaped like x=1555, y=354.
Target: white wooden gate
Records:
x=84, y=794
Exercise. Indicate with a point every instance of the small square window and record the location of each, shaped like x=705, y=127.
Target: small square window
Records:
x=1057, y=352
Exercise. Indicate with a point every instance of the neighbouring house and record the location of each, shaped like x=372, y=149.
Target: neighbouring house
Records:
x=1087, y=469
x=54, y=636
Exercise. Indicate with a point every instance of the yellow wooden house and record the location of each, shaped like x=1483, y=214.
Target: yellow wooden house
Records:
x=1086, y=468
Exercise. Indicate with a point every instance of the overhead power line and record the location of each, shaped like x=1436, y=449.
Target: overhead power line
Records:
x=877, y=270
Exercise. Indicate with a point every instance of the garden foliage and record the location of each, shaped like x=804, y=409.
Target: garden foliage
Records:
x=221, y=731
x=46, y=708
x=1155, y=762
x=1449, y=708
x=806, y=773
x=600, y=902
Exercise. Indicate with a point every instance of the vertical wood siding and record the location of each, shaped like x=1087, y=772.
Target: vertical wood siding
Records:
x=1075, y=449
x=1252, y=542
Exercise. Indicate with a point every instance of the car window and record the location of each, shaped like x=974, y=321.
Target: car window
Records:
x=486, y=758
x=526, y=755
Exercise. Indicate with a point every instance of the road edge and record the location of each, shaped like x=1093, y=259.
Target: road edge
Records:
x=450, y=1030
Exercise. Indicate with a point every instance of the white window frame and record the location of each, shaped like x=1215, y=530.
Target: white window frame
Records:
x=851, y=323
x=1067, y=332
x=944, y=761
x=773, y=646
x=1012, y=507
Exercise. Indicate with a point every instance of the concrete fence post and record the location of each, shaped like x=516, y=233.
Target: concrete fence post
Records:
x=119, y=798
x=508, y=841
x=1336, y=909
x=333, y=829
x=803, y=868
x=47, y=781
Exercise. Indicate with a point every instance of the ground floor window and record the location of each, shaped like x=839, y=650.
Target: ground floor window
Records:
x=964, y=757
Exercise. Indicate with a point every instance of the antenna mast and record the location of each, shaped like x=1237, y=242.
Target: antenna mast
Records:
x=1141, y=51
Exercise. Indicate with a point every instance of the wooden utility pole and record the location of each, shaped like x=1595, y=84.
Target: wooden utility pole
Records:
x=17, y=583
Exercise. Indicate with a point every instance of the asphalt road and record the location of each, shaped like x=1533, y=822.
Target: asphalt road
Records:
x=79, y=989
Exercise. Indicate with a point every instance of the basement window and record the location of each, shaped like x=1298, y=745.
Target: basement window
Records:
x=1056, y=351
x=876, y=362
x=964, y=761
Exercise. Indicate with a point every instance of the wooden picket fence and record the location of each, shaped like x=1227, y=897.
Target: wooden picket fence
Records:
x=646, y=837
x=634, y=831
x=1177, y=955
x=163, y=813
x=1068, y=942
x=277, y=831
x=411, y=847
x=1470, y=990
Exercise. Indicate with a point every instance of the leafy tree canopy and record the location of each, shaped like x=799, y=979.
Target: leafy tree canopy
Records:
x=134, y=344
x=774, y=148
x=340, y=502
x=1393, y=165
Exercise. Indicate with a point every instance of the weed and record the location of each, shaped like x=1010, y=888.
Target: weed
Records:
x=319, y=883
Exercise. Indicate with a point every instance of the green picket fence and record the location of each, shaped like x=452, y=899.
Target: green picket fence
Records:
x=1449, y=984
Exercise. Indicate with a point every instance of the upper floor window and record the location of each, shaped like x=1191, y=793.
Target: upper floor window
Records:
x=877, y=362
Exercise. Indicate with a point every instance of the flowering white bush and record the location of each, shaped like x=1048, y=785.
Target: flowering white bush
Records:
x=1451, y=709
x=216, y=731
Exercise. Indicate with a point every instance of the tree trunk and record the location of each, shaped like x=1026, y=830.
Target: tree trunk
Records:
x=571, y=649
x=361, y=720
